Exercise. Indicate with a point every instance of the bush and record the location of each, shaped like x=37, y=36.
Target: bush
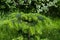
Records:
x=39, y=5
x=45, y=7
x=24, y=26
x=25, y=21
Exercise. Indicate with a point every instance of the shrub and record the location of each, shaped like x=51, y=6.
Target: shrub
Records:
x=24, y=26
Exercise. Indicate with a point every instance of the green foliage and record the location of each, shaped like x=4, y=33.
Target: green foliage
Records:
x=38, y=5
x=22, y=20
x=45, y=7
x=23, y=26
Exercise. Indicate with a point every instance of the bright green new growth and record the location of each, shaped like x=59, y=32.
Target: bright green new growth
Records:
x=24, y=26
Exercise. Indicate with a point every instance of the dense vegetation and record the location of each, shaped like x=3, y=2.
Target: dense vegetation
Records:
x=29, y=20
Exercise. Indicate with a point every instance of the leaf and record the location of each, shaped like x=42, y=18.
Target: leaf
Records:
x=32, y=30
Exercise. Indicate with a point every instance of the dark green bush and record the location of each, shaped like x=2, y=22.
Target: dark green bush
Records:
x=40, y=6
